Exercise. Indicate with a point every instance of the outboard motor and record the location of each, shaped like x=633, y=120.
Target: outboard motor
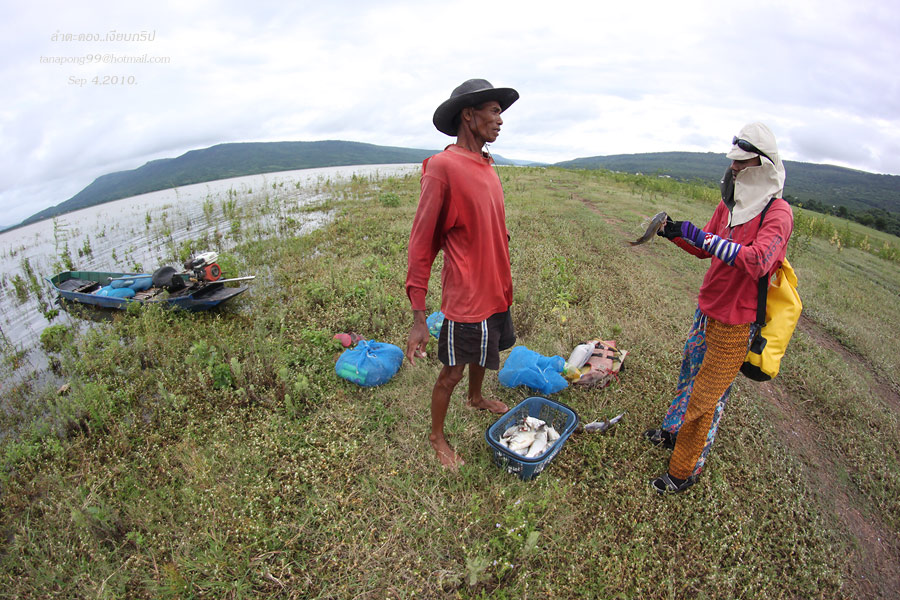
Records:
x=204, y=267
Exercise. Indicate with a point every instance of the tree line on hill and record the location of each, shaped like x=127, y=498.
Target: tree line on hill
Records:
x=867, y=198
x=870, y=199
x=876, y=218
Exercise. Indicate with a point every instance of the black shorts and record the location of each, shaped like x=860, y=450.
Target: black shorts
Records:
x=479, y=343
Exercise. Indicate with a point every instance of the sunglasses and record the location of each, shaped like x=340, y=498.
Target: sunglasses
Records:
x=748, y=147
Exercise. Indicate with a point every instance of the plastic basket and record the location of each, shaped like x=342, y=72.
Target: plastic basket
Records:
x=560, y=416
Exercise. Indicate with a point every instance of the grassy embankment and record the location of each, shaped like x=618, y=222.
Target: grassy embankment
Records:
x=218, y=455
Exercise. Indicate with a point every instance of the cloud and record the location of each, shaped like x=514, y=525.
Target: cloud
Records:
x=594, y=79
x=831, y=138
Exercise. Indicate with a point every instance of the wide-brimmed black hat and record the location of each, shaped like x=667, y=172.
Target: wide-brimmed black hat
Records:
x=471, y=93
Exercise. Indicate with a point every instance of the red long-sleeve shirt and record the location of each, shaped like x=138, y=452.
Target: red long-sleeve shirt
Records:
x=729, y=293
x=461, y=212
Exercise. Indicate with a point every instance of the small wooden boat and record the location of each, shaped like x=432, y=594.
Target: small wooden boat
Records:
x=195, y=294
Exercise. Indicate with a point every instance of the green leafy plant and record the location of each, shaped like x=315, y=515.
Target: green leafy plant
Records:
x=56, y=337
x=389, y=199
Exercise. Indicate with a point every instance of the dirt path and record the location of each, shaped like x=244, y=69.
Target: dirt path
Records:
x=882, y=389
x=875, y=564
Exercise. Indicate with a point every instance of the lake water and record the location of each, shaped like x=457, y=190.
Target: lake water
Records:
x=143, y=233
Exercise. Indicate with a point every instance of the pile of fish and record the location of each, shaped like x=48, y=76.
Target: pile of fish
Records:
x=530, y=438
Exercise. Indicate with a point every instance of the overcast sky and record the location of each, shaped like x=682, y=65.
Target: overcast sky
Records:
x=594, y=78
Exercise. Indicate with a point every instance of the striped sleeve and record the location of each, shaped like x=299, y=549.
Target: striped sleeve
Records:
x=724, y=250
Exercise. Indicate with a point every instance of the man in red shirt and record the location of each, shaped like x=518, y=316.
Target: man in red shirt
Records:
x=741, y=251
x=461, y=212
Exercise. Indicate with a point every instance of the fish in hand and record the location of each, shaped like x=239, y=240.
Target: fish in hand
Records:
x=656, y=223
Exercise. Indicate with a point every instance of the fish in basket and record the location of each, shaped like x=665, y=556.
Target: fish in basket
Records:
x=524, y=440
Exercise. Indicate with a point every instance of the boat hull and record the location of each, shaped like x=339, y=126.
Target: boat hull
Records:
x=77, y=286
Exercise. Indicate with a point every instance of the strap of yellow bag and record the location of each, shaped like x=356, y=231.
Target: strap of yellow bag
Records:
x=759, y=342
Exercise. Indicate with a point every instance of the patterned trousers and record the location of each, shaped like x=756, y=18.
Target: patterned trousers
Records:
x=713, y=355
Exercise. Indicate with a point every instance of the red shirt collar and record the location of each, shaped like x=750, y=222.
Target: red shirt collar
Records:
x=480, y=157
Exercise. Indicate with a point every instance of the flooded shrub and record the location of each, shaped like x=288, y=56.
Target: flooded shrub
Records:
x=21, y=287
x=85, y=249
x=55, y=337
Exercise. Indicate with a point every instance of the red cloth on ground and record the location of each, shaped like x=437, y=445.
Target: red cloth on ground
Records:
x=461, y=212
x=729, y=293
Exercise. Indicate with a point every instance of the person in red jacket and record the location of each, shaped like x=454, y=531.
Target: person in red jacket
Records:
x=741, y=252
x=461, y=211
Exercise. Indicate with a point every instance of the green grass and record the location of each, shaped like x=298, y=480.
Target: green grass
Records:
x=217, y=455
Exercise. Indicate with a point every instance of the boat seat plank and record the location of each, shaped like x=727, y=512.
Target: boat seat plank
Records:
x=83, y=286
x=88, y=288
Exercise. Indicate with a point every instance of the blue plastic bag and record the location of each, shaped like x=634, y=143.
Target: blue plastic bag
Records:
x=142, y=283
x=370, y=363
x=122, y=292
x=138, y=283
x=527, y=367
x=125, y=292
x=435, y=321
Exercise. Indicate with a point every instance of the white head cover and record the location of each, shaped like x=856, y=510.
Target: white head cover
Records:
x=755, y=186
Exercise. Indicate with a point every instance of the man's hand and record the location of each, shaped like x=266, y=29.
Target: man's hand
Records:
x=418, y=337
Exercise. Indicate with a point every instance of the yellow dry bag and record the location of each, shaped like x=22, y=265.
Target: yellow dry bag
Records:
x=782, y=306
x=777, y=312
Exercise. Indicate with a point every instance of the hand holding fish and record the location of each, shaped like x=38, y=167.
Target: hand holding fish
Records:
x=670, y=229
x=724, y=249
x=656, y=224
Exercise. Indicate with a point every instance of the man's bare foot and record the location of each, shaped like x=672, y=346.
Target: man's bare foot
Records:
x=482, y=403
x=445, y=452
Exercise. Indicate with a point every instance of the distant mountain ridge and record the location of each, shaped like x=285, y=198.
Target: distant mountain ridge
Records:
x=224, y=161
x=826, y=184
